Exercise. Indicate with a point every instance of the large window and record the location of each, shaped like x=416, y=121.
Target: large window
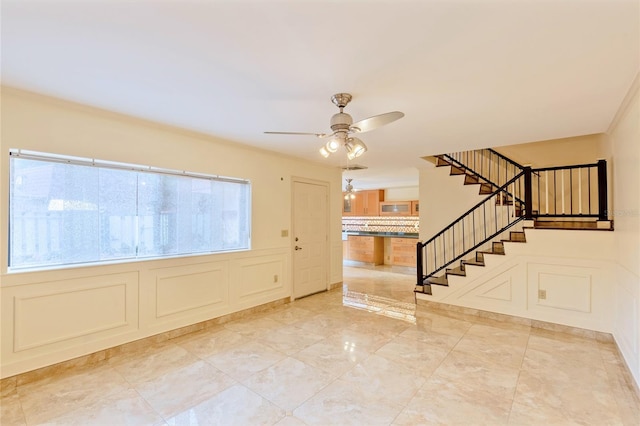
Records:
x=68, y=210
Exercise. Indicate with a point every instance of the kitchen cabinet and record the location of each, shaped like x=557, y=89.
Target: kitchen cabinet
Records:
x=415, y=208
x=362, y=203
x=395, y=208
x=366, y=249
x=403, y=251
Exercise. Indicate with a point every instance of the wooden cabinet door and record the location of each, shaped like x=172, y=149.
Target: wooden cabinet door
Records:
x=359, y=203
x=362, y=203
x=371, y=201
x=403, y=251
x=415, y=208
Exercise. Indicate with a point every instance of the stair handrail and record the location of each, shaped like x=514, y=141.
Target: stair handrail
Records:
x=501, y=189
x=420, y=246
x=452, y=158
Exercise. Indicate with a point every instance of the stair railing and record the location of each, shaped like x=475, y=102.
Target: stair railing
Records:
x=553, y=192
x=486, y=164
x=480, y=224
x=570, y=191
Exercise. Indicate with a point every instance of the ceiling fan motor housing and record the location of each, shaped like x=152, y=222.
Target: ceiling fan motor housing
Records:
x=341, y=122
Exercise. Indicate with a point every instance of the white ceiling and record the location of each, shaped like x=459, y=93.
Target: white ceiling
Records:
x=467, y=74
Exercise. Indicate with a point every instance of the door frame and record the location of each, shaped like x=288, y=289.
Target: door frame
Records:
x=327, y=254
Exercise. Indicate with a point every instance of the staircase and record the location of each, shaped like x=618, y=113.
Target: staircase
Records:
x=516, y=197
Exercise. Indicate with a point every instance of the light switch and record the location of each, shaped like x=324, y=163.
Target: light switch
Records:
x=284, y=233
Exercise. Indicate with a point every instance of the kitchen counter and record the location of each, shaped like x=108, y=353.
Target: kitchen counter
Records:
x=381, y=234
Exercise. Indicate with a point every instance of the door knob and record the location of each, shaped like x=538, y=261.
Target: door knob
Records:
x=298, y=248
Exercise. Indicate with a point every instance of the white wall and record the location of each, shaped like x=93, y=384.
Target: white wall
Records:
x=623, y=138
x=51, y=316
x=556, y=152
x=443, y=199
x=401, y=194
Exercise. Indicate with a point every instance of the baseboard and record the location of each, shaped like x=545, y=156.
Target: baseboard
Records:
x=576, y=331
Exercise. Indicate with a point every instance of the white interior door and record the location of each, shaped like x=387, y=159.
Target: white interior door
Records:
x=309, y=238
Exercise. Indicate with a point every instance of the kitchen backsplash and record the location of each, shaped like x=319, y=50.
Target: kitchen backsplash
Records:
x=408, y=224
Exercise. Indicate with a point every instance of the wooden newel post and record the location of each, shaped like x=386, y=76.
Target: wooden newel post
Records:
x=528, y=197
x=419, y=263
x=602, y=190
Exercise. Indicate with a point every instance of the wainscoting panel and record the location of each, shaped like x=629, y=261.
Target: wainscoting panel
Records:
x=260, y=279
x=499, y=290
x=570, y=293
x=47, y=317
x=187, y=288
x=53, y=317
x=627, y=318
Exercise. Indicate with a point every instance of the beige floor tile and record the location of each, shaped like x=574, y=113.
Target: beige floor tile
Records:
x=379, y=377
x=367, y=340
x=381, y=324
x=486, y=377
x=444, y=403
x=621, y=383
x=289, y=339
x=127, y=408
x=290, y=421
x=207, y=343
x=333, y=356
x=441, y=340
x=343, y=403
x=324, y=324
x=11, y=411
x=289, y=383
x=183, y=388
x=234, y=406
x=253, y=326
x=442, y=324
x=555, y=399
x=290, y=314
x=152, y=363
x=420, y=356
x=53, y=397
x=566, y=348
x=242, y=361
x=503, y=347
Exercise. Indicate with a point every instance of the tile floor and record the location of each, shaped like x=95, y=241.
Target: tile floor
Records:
x=358, y=356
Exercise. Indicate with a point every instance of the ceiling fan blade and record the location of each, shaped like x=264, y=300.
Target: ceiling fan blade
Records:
x=376, y=121
x=320, y=135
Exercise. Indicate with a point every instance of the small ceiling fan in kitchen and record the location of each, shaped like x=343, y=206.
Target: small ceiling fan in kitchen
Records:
x=343, y=129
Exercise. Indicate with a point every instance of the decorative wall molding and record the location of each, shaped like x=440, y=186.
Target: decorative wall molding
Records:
x=48, y=322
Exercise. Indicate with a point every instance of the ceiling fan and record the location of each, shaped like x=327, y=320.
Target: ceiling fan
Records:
x=343, y=128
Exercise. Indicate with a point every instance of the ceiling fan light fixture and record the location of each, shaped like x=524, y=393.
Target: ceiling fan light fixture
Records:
x=332, y=145
x=324, y=152
x=357, y=148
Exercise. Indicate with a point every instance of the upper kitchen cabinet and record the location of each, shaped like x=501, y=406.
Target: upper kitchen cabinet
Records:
x=395, y=208
x=415, y=208
x=362, y=203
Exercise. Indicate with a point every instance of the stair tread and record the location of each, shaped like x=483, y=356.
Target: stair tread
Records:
x=492, y=252
x=473, y=262
x=442, y=280
x=456, y=271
